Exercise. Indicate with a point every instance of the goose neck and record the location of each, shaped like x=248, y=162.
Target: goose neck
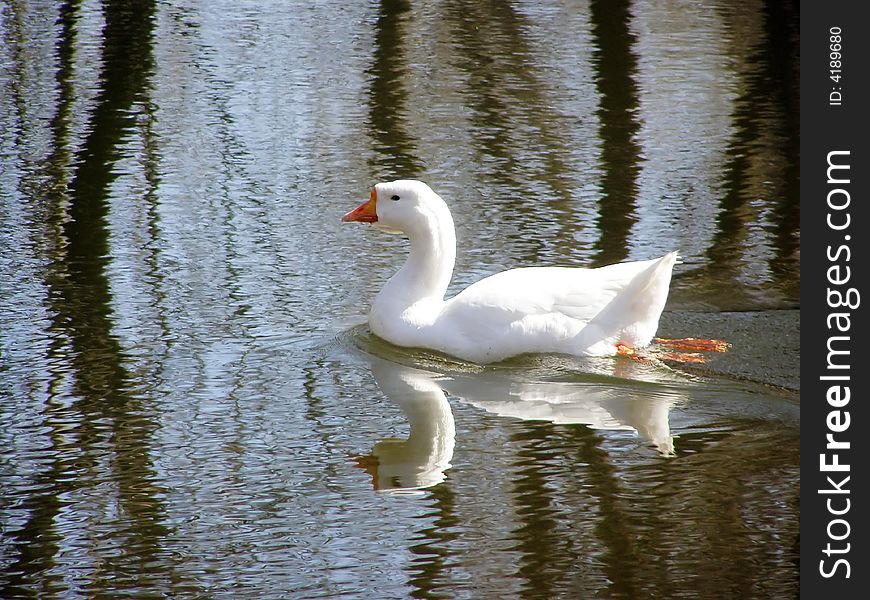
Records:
x=429, y=267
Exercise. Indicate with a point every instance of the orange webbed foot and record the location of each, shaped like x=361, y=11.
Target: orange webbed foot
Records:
x=633, y=353
x=694, y=344
x=624, y=350
x=683, y=357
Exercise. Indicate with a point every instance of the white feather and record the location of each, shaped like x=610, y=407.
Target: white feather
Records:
x=536, y=309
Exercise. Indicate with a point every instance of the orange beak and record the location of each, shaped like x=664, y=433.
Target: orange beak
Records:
x=365, y=212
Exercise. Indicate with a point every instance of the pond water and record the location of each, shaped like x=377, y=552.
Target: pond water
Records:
x=191, y=404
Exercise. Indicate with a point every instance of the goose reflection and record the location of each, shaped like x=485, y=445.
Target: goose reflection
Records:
x=420, y=461
x=605, y=406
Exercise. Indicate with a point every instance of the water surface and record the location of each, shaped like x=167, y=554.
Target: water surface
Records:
x=191, y=404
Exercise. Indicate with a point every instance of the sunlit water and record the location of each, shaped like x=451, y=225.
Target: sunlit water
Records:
x=191, y=404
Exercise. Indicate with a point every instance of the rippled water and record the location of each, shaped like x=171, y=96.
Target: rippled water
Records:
x=191, y=404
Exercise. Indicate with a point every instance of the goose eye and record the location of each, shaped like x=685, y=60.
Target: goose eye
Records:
x=394, y=197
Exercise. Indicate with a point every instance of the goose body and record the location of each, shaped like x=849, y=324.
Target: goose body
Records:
x=570, y=310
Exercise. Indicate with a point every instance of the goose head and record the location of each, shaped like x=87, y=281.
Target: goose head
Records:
x=402, y=206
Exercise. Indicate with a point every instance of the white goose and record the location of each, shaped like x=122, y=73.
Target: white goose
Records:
x=591, y=312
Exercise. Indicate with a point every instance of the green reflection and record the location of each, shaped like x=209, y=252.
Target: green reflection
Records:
x=613, y=526
x=545, y=550
x=519, y=135
x=434, y=554
x=395, y=150
x=763, y=156
x=106, y=412
x=780, y=83
x=615, y=69
x=36, y=542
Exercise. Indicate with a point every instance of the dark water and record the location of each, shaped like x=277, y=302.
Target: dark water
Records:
x=190, y=402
